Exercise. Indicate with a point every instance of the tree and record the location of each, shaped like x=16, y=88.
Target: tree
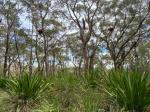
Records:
x=123, y=27
x=9, y=12
x=83, y=15
x=47, y=28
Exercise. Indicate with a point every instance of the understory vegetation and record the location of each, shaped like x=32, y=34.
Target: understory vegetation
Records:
x=107, y=91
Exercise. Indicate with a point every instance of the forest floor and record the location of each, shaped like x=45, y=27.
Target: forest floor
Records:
x=66, y=93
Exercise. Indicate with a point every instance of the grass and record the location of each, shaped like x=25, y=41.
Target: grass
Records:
x=129, y=90
x=4, y=102
x=67, y=92
x=25, y=91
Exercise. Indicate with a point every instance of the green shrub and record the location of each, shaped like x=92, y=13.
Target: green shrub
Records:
x=130, y=90
x=26, y=89
x=3, y=82
x=92, y=79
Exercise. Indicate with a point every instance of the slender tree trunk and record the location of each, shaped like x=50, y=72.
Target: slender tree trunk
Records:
x=46, y=64
x=30, y=63
x=53, y=64
x=5, y=69
x=80, y=63
x=31, y=56
x=45, y=56
x=18, y=55
x=91, y=61
x=36, y=53
x=91, y=65
x=9, y=65
x=86, y=59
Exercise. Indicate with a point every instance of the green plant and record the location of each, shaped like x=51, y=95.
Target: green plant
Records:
x=71, y=93
x=90, y=101
x=3, y=82
x=26, y=89
x=130, y=90
x=92, y=79
x=67, y=86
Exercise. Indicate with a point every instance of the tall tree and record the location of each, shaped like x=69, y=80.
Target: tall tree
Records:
x=9, y=12
x=47, y=27
x=83, y=15
x=123, y=27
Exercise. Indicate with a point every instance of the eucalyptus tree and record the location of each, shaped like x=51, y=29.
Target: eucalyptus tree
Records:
x=47, y=28
x=82, y=15
x=9, y=13
x=123, y=26
x=74, y=46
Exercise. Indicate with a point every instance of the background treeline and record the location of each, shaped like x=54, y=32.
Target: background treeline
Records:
x=51, y=35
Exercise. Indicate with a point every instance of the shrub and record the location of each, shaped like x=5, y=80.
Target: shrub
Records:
x=92, y=79
x=130, y=90
x=3, y=82
x=26, y=89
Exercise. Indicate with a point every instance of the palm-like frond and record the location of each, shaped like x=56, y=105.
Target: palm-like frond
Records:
x=131, y=90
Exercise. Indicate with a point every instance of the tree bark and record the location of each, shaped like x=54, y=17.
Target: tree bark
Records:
x=45, y=57
x=36, y=53
x=5, y=69
x=86, y=59
x=53, y=64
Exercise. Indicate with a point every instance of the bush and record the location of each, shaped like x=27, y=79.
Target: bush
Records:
x=26, y=89
x=3, y=82
x=92, y=79
x=130, y=90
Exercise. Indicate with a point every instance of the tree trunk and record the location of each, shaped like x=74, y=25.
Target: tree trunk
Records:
x=18, y=56
x=30, y=63
x=53, y=64
x=5, y=69
x=91, y=65
x=31, y=56
x=80, y=63
x=37, y=56
x=86, y=59
x=118, y=65
x=45, y=56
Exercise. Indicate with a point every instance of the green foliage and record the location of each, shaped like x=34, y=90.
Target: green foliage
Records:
x=69, y=93
x=3, y=83
x=4, y=102
x=130, y=90
x=26, y=87
x=142, y=61
x=25, y=91
x=92, y=79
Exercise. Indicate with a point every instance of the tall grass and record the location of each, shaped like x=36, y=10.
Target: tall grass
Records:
x=93, y=78
x=70, y=93
x=3, y=82
x=25, y=89
x=130, y=90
